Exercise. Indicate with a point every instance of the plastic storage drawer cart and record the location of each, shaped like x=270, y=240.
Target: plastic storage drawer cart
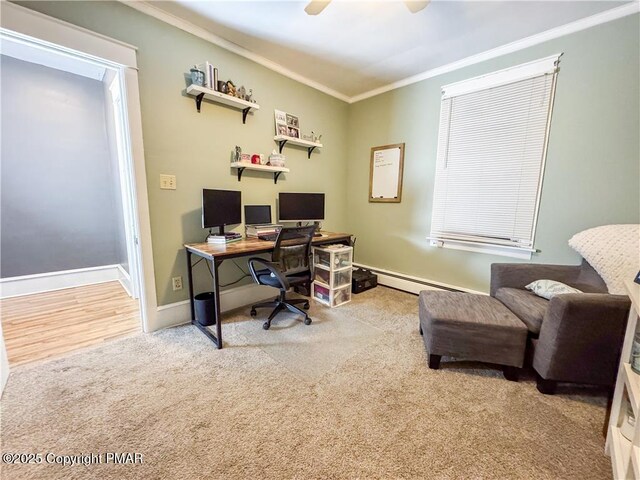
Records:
x=332, y=274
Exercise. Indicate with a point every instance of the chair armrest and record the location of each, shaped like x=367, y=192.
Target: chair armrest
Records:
x=273, y=267
x=518, y=275
x=581, y=337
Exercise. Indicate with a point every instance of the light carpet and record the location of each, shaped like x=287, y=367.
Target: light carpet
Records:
x=349, y=396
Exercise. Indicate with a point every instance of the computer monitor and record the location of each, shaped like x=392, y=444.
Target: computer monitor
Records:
x=300, y=207
x=257, y=214
x=220, y=208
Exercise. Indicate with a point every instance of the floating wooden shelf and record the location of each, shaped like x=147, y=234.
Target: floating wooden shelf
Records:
x=201, y=92
x=283, y=140
x=263, y=168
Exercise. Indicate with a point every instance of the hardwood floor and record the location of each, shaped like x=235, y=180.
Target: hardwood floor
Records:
x=49, y=324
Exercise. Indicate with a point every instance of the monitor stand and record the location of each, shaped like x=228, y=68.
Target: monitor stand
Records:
x=220, y=232
x=300, y=224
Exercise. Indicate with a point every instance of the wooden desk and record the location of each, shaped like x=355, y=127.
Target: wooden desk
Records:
x=216, y=254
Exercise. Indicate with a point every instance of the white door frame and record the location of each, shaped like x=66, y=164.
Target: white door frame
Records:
x=121, y=143
x=68, y=39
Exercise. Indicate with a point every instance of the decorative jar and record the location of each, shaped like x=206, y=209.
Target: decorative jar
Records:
x=197, y=76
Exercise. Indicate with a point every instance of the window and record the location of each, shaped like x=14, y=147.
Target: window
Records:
x=491, y=150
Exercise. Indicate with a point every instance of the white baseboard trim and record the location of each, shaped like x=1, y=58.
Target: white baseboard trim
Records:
x=178, y=313
x=125, y=280
x=50, y=281
x=411, y=284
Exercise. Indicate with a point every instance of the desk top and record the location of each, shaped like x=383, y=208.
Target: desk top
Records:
x=247, y=246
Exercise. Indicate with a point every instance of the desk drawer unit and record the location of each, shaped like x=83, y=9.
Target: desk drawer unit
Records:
x=335, y=279
x=329, y=297
x=332, y=274
x=333, y=257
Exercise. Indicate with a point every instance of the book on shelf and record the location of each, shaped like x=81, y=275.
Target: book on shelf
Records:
x=209, y=76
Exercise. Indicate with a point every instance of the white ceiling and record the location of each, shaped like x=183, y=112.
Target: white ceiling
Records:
x=355, y=47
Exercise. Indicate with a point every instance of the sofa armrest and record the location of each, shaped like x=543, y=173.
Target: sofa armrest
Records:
x=518, y=275
x=581, y=337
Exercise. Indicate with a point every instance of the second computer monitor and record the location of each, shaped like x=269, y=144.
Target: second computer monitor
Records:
x=257, y=214
x=300, y=207
x=220, y=208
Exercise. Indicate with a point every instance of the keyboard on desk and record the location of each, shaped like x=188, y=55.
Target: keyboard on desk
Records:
x=271, y=237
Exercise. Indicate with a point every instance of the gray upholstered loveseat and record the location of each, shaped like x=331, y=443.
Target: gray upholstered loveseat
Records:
x=572, y=337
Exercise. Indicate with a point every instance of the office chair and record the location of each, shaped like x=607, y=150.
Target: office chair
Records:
x=290, y=267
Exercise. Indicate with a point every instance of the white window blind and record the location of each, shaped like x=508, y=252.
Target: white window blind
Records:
x=491, y=149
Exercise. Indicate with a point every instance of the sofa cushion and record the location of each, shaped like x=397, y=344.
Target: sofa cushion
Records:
x=526, y=305
x=549, y=288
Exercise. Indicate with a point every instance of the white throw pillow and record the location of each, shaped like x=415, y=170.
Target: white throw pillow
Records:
x=550, y=288
x=613, y=251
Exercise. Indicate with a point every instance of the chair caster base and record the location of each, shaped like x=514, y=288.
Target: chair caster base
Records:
x=266, y=325
x=306, y=306
x=253, y=312
x=307, y=321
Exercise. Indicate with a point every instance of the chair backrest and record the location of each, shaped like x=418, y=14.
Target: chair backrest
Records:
x=293, y=249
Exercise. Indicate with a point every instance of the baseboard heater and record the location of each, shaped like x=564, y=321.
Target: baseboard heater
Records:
x=382, y=274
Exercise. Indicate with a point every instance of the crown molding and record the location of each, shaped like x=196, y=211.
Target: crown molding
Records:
x=567, y=29
x=147, y=8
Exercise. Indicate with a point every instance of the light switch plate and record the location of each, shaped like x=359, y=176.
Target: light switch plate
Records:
x=167, y=182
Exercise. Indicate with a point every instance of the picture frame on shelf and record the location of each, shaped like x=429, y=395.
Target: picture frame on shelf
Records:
x=293, y=132
x=282, y=130
x=281, y=122
x=293, y=122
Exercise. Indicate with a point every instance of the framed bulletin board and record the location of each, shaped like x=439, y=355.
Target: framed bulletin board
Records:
x=385, y=177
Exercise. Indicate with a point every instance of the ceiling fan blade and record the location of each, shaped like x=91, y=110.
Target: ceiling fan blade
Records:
x=316, y=6
x=416, y=6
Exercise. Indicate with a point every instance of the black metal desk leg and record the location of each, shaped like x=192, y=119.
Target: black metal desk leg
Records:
x=216, y=292
x=190, y=278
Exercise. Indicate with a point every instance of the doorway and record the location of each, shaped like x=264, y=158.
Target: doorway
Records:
x=69, y=262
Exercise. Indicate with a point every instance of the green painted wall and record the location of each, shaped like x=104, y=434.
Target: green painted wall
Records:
x=592, y=172
x=197, y=147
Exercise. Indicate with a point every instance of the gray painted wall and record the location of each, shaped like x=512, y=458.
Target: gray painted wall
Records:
x=58, y=200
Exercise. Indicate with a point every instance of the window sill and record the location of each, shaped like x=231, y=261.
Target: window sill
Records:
x=502, y=250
